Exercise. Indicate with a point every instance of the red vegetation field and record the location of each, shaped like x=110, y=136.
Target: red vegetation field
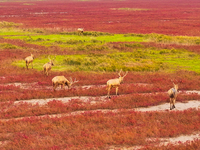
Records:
x=175, y=17
x=98, y=123
x=98, y=130
x=90, y=120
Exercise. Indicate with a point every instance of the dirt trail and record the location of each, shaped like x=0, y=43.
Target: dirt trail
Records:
x=164, y=141
x=179, y=106
x=37, y=86
x=93, y=100
x=89, y=99
x=195, y=104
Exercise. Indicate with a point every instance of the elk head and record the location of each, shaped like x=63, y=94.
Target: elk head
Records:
x=32, y=55
x=175, y=85
x=51, y=61
x=71, y=82
x=121, y=78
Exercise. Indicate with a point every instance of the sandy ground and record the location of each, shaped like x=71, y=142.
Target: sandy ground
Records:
x=179, y=106
x=164, y=141
x=93, y=100
x=64, y=100
x=182, y=138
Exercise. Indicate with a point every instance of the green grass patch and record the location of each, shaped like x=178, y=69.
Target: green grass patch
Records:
x=182, y=40
x=5, y=24
x=60, y=39
x=111, y=59
x=8, y=46
x=15, y=33
x=72, y=38
x=137, y=60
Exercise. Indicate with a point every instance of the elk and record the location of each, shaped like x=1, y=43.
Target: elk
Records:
x=62, y=81
x=80, y=30
x=115, y=82
x=47, y=66
x=172, y=95
x=29, y=60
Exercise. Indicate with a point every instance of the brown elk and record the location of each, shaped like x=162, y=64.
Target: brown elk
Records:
x=29, y=60
x=80, y=30
x=62, y=81
x=115, y=82
x=47, y=66
x=172, y=95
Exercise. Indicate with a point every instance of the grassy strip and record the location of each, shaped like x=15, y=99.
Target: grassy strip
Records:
x=137, y=60
x=46, y=38
x=68, y=40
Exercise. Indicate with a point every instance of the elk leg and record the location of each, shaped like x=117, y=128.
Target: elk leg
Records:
x=63, y=86
x=32, y=64
x=44, y=71
x=27, y=66
x=117, y=90
x=109, y=92
x=54, y=86
x=174, y=100
x=170, y=101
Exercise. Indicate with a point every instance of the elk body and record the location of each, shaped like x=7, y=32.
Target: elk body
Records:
x=29, y=60
x=62, y=81
x=80, y=30
x=47, y=67
x=115, y=83
x=172, y=95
